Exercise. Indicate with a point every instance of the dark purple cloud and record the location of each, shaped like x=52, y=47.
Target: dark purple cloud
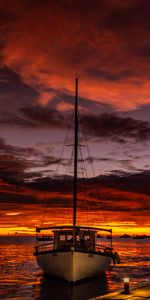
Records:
x=113, y=127
x=12, y=168
x=21, y=163
x=14, y=92
x=6, y=148
x=43, y=116
x=33, y=117
x=106, y=125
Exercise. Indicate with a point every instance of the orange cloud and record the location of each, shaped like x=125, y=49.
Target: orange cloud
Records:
x=99, y=206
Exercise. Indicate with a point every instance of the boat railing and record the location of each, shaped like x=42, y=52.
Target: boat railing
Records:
x=44, y=247
x=50, y=246
x=102, y=248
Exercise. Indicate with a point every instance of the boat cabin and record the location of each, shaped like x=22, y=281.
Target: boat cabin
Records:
x=62, y=238
x=84, y=239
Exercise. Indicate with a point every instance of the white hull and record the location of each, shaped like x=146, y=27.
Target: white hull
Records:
x=73, y=266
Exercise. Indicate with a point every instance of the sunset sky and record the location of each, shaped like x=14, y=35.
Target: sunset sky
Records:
x=44, y=46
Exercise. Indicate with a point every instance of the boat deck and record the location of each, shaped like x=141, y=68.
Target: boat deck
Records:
x=49, y=248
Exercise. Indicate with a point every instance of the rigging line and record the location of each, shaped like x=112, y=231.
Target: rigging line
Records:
x=62, y=151
x=87, y=147
x=84, y=167
x=70, y=162
x=68, y=171
x=104, y=214
x=48, y=209
x=83, y=163
x=66, y=210
x=92, y=168
x=85, y=175
x=89, y=154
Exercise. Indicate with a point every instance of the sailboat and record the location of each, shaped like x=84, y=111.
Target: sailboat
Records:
x=71, y=252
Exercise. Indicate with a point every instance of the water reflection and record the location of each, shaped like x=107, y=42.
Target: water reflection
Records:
x=54, y=289
x=21, y=278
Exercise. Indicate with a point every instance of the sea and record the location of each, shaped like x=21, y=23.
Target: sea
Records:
x=21, y=278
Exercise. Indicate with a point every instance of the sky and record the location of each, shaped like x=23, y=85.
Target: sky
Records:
x=44, y=46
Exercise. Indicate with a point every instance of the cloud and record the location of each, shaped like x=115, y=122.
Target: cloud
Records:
x=123, y=16
x=113, y=127
x=37, y=45
x=109, y=76
x=25, y=163
x=48, y=160
x=109, y=126
x=43, y=116
x=14, y=92
x=102, y=197
x=12, y=168
x=121, y=197
x=144, y=52
x=44, y=46
x=6, y=148
x=141, y=113
x=34, y=117
x=16, y=162
x=20, y=169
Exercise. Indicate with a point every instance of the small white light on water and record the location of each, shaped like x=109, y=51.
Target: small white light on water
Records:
x=126, y=279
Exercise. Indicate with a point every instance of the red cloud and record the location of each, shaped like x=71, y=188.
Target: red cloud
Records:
x=50, y=44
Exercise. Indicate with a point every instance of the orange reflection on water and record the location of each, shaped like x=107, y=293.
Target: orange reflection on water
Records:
x=135, y=261
x=22, y=278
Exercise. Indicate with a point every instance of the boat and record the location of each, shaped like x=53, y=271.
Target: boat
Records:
x=139, y=237
x=99, y=236
x=74, y=253
x=125, y=236
x=44, y=238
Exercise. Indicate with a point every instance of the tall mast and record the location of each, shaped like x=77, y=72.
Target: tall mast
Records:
x=75, y=159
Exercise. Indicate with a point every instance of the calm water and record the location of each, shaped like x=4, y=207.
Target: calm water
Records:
x=21, y=277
